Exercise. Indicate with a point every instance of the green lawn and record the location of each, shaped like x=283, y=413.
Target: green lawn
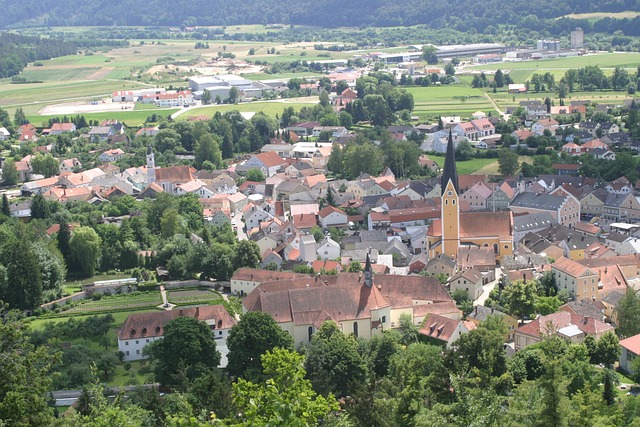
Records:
x=466, y=167
x=269, y=108
x=120, y=317
x=128, y=117
x=139, y=373
x=603, y=60
x=433, y=101
x=58, y=74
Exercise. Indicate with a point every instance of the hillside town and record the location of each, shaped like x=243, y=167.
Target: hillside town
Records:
x=345, y=223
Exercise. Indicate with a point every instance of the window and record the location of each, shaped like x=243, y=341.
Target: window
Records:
x=137, y=342
x=220, y=333
x=147, y=339
x=453, y=202
x=137, y=351
x=355, y=329
x=384, y=319
x=127, y=353
x=310, y=332
x=126, y=343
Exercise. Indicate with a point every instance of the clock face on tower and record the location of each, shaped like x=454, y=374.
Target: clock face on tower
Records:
x=449, y=193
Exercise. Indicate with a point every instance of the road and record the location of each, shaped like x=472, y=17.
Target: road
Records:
x=486, y=289
x=236, y=221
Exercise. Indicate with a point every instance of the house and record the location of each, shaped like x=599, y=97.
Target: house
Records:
x=558, y=110
x=573, y=328
x=484, y=127
x=577, y=279
x=418, y=263
x=441, y=264
x=619, y=186
x=592, y=204
x=141, y=329
x=621, y=208
x=328, y=249
x=245, y=280
x=565, y=209
x=566, y=168
x=332, y=217
x=148, y=131
x=59, y=128
x=70, y=165
x=608, y=128
x=101, y=133
x=501, y=197
x=303, y=128
x=545, y=124
x=321, y=157
x=442, y=330
x=269, y=163
x=590, y=127
x=469, y=280
x=630, y=351
x=111, y=155
x=335, y=131
x=170, y=177
x=531, y=223
x=480, y=313
x=4, y=134
x=174, y=99
x=477, y=196
x=217, y=218
x=517, y=88
x=466, y=130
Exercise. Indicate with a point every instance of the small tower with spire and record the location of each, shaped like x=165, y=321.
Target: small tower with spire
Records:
x=450, y=208
x=151, y=165
x=368, y=273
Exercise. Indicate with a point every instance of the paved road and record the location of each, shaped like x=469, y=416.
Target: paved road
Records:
x=486, y=289
x=68, y=397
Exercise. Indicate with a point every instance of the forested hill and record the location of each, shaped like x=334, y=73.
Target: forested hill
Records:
x=476, y=14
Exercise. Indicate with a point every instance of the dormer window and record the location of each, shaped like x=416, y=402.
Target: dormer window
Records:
x=133, y=333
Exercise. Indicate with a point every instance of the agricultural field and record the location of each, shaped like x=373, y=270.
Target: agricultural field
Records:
x=432, y=101
x=118, y=302
x=194, y=296
x=467, y=167
x=38, y=323
x=504, y=99
x=595, y=16
x=270, y=108
x=522, y=71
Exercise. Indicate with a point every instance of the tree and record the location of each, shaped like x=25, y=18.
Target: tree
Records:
x=234, y=95
x=85, y=248
x=449, y=69
x=39, y=207
x=498, y=78
x=520, y=298
x=106, y=364
x=24, y=285
x=429, y=54
x=628, y=312
x=186, y=351
x=252, y=336
x=247, y=254
x=20, y=118
x=170, y=223
x=333, y=363
x=5, y=210
x=25, y=375
x=10, y=173
x=360, y=158
x=507, y=162
x=255, y=175
x=481, y=354
x=609, y=392
x=608, y=350
x=207, y=149
x=329, y=197
x=335, y=160
x=211, y=392
x=285, y=398
x=324, y=98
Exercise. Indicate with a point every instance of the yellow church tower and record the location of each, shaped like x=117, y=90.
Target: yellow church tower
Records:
x=450, y=209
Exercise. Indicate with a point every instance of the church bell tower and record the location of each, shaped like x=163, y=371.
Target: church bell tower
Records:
x=151, y=166
x=450, y=208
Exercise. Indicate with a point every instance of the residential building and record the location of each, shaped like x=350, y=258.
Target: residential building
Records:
x=630, y=351
x=565, y=209
x=141, y=329
x=577, y=279
x=469, y=280
x=442, y=330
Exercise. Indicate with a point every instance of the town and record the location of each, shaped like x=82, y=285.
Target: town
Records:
x=392, y=267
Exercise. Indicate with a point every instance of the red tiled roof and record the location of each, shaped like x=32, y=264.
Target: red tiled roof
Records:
x=632, y=344
x=439, y=327
x=270, y=159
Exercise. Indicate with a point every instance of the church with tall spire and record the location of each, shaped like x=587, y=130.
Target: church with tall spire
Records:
x=474, y=229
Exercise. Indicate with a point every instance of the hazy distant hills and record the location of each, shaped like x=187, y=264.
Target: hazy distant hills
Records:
x=477, y=14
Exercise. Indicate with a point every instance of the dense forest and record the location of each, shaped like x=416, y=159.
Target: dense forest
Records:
x=327, y=13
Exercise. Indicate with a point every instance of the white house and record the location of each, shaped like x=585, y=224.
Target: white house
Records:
x=111, y=155
x=4, y=134
x=269, y=163
x=332, y=217
x=254, y=215
x=630, y=351
x=328, y=249
x=469, y=280
x=143, y=328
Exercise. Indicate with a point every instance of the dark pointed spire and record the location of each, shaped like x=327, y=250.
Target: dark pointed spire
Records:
x=368, y=272
x=449, y=172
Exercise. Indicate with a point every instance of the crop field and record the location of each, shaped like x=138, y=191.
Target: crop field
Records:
x=594, y=16
x=120, y=317
x=194, y=296
x=118, y=302
x=504, y=99
x=460, y=100
x=468, y=166
x=270, y=108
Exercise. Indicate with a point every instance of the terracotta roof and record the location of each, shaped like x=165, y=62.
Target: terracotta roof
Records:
x=439, y=327
x=175, y=174
x=545, y=325
x=572, y=268
x=152, y=324
x=270, y=159
x=325, y=265
x=484, y=224
x=632, y=344
x=329, y=210
x=304, y=220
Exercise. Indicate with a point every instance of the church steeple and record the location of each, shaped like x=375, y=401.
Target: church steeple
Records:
x=368, y=273
x=449, y=172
